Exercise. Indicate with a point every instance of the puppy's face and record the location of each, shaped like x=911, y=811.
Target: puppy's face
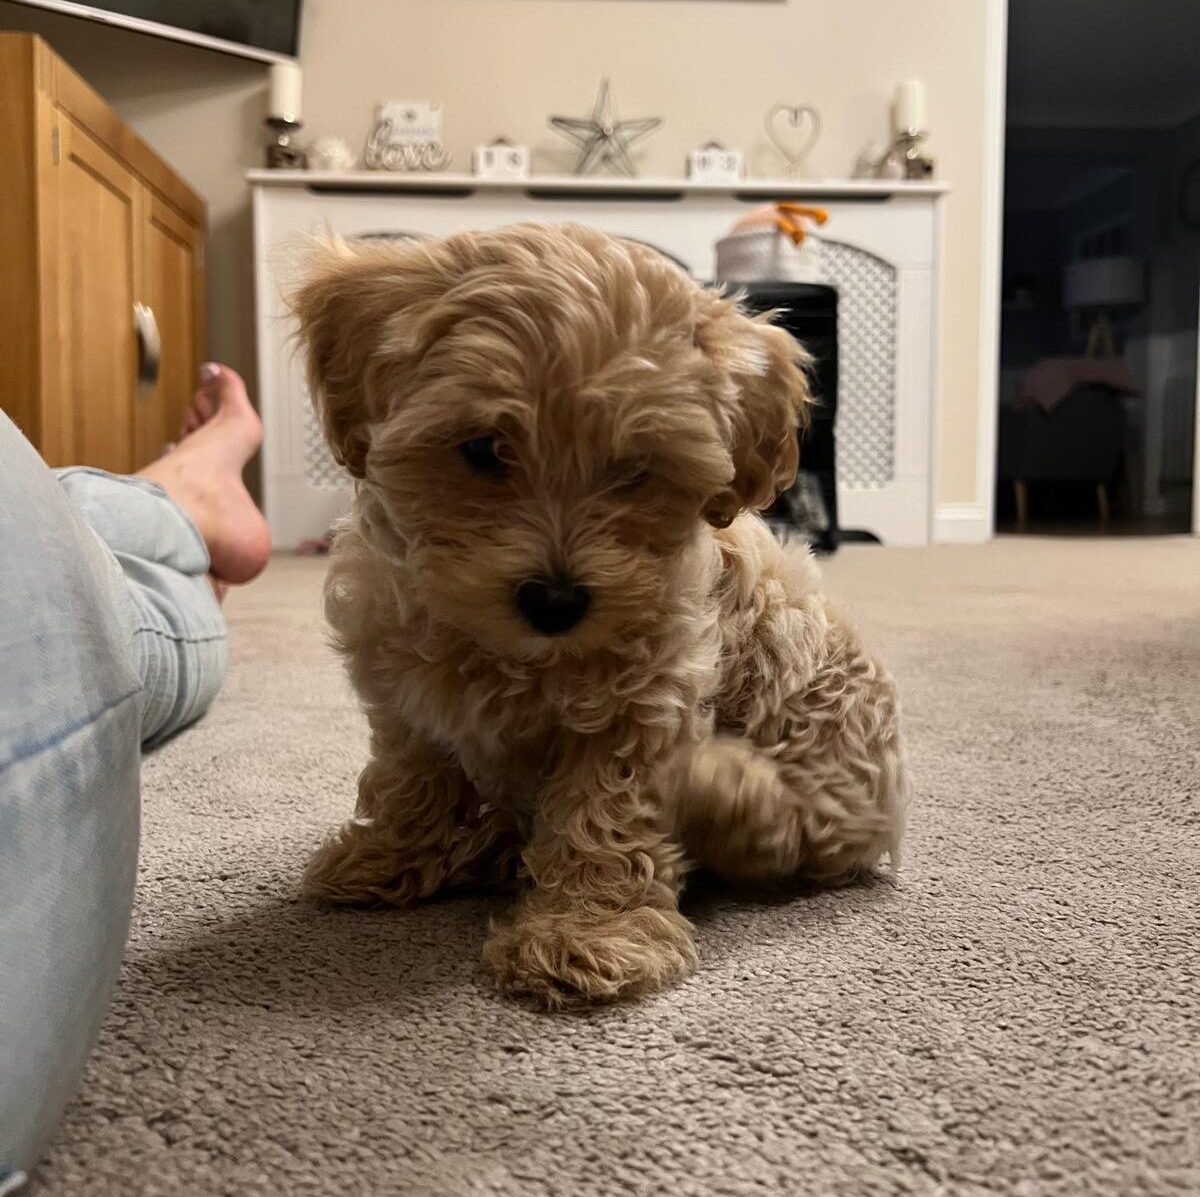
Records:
x=542, y=419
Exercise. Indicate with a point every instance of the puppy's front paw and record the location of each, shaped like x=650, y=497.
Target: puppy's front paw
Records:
x=573, y=958
x=359, y=866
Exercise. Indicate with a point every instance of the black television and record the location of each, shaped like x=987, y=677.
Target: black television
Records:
x=264, y=29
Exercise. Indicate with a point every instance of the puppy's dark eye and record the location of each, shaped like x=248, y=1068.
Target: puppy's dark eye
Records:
x=633, y=478
x=480, y=453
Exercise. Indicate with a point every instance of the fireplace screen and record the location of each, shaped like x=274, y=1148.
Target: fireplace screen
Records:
x=867, y=305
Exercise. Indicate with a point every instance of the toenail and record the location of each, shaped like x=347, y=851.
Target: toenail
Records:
x=209, y=371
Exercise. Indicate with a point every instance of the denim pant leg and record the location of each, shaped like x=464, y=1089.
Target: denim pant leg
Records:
x=70, y=727
x=176, y=627
x=110, y=637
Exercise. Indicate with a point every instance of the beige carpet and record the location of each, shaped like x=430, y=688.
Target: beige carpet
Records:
x=1018, y=1015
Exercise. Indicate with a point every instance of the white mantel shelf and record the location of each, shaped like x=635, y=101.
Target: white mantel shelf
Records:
x=882, y=245
x=608, y=187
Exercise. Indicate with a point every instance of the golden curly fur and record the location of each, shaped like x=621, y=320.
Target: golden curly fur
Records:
x=553, y=403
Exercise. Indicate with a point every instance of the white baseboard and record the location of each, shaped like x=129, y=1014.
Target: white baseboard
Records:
x=961, y=523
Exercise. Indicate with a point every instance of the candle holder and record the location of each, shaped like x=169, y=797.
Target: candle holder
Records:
x=907, y=149
x=282, y=154
x=903, y=159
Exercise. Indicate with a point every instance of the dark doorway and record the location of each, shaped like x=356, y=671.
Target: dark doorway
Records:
x=1101, y=267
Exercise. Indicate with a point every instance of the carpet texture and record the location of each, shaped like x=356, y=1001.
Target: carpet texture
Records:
x=1017, y=1014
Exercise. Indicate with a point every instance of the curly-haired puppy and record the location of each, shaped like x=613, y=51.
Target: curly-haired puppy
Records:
x=585, y=663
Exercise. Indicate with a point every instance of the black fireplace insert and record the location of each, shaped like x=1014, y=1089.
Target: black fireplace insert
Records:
x=809, y=312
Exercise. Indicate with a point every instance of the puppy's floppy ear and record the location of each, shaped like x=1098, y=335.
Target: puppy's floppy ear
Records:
x=344, y=308
x=763, y=403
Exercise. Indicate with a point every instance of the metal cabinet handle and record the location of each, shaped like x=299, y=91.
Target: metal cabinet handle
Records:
x=149, y=345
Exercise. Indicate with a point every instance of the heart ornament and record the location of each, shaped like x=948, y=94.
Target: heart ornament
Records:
x=793, y=130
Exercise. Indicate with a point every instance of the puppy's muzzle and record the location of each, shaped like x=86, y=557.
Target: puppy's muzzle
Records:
x=552, y=605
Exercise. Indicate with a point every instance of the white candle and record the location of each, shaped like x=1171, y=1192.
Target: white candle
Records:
x=908, y=108
x=285, y=91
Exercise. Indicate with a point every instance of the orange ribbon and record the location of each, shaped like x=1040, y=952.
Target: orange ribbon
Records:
x=790, y=217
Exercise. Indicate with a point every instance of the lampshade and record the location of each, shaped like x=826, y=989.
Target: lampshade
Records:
x=1103, y=283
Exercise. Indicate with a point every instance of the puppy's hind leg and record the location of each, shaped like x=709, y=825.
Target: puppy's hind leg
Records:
x=731, y=810
x=419, y=828
x=752, y=814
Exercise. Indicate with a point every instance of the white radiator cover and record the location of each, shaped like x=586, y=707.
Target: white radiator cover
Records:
x=883, y=241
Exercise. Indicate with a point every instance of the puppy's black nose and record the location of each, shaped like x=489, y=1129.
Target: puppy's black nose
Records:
x=552, y=605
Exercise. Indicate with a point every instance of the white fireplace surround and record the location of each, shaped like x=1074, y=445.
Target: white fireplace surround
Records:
x=884, y=240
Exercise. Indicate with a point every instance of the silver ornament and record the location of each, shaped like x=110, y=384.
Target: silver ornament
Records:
x=601, y=137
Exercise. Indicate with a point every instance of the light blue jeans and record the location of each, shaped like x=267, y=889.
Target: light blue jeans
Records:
x=111, y=639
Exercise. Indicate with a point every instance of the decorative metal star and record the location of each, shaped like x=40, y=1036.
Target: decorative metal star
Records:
x=601, y=137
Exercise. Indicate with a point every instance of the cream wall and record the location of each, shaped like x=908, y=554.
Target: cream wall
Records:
x=709, y=67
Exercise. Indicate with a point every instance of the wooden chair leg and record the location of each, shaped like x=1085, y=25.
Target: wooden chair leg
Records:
x=1022, y=495
x=1102, y=502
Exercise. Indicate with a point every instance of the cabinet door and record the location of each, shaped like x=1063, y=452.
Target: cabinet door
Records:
x=98, y=245
x=171, y=290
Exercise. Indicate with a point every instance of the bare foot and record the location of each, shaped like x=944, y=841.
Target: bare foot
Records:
x=203, y=474
x=204, y=403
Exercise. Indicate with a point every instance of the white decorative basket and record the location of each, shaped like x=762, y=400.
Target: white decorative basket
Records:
x=772, y=244
x=767, y=255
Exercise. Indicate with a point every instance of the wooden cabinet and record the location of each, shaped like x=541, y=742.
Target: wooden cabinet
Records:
x=172, y=255
x=97, y=239
x=101, y=272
